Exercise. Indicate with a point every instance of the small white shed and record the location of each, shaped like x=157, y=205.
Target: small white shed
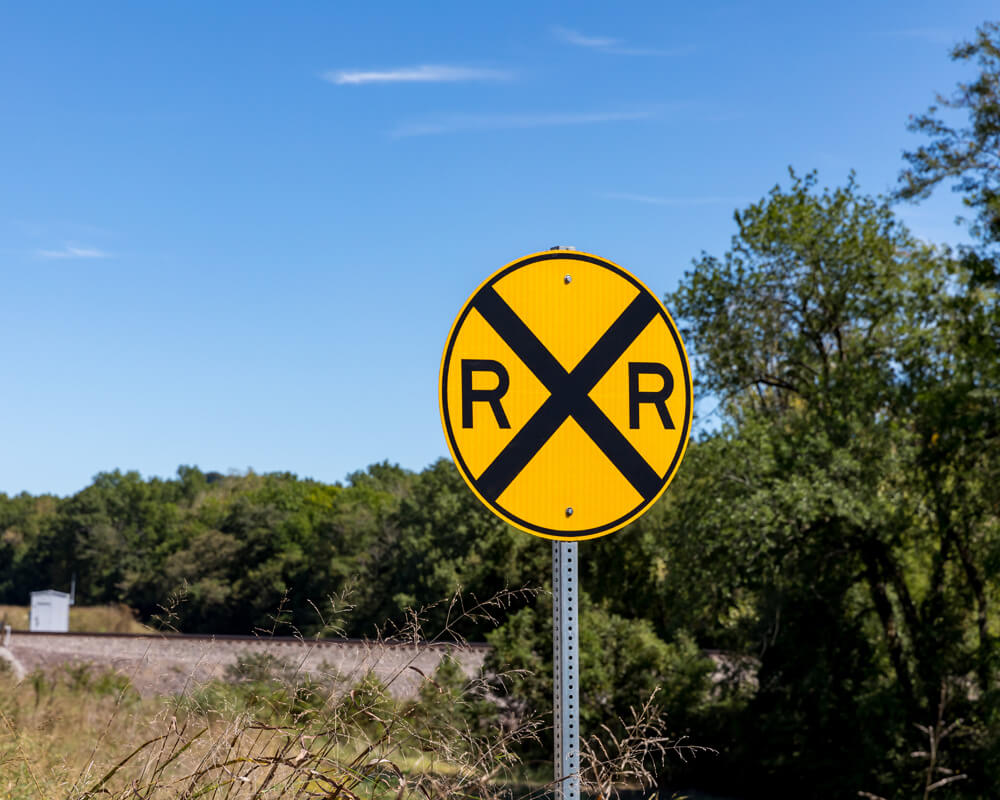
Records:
x=49, y=611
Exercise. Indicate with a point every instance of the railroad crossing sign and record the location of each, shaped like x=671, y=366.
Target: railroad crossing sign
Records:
x=565, y=395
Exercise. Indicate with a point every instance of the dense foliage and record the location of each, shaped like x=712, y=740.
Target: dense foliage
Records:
x=817, y=594
x=855, y=478
x=969, y=156
x=208, y=553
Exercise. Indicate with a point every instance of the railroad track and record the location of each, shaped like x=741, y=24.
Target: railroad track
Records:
x=167, y=663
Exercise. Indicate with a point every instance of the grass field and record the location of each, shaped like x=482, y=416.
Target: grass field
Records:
x=82, y=619
x=265, y=731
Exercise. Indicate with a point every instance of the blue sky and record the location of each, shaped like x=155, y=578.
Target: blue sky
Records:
x=236, y=234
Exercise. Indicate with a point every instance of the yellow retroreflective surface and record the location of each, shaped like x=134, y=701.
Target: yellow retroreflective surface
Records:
x=565, y=395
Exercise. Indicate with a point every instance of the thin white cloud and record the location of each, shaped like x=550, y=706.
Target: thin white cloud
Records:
x=608, y=44
x=453, y=123
x=426, y=73
x=581, y=40
x=654, y=200
x=73, y=251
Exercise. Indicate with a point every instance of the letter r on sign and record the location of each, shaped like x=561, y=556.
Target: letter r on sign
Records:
x=491, y=396
x=657, y=399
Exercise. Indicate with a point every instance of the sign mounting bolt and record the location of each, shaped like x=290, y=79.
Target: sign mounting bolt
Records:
x=569, y=511
x=567, y=278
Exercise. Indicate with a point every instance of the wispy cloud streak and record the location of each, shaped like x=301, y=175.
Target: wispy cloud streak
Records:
x=608, y=44
x=73, y=251
x=453, y=123
x=581, y=40
x=426, y=73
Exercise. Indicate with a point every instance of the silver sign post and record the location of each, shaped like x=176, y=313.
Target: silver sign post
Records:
x=566, y=669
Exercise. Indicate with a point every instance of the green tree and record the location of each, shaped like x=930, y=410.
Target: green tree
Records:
x=622, y=664
x=441, y=540
x=826, y=334
x=970, y=155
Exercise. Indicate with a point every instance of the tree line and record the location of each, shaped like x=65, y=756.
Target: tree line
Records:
x=816, y=595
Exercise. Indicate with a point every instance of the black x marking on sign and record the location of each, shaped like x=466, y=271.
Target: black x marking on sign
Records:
x=569, y=395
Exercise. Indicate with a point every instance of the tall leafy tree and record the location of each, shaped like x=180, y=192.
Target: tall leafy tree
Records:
x=968, y=155
x=443, y=540
x=957, y=410
x=826, y=333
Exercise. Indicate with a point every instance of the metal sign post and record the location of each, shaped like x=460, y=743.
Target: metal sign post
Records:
x=566, y=669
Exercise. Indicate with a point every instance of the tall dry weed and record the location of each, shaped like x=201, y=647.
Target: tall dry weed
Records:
x=272, y=730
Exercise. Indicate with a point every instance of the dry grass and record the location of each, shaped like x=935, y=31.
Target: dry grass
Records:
x=632, y=756
x=82, y=619
x=48, y=732
x=270, y=731
x=69, y=745
x=267, y=731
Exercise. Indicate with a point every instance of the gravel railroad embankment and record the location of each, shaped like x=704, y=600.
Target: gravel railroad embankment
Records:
x=168, y=664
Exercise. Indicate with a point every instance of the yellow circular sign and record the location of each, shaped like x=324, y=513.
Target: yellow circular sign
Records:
x=565, y=395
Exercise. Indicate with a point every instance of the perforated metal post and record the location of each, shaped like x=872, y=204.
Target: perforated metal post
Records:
x=566, y=667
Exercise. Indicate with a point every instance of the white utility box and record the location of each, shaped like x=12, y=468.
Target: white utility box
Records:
x=49, y=612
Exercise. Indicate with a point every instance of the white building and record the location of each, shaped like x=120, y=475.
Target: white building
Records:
x=49, y=611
